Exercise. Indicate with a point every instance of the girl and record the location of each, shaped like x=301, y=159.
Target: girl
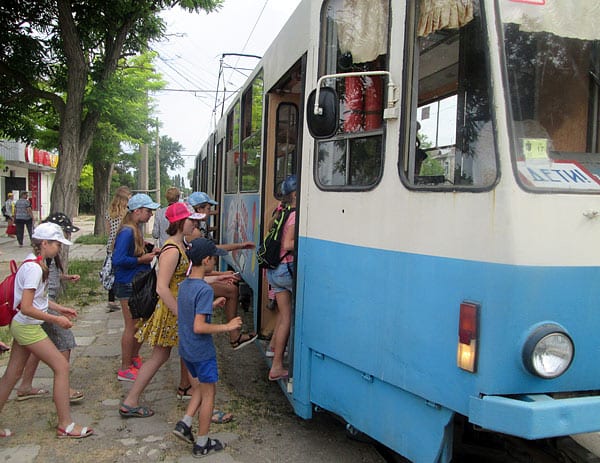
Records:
x=160, y=330
x=63, y=339
x=128, y=258
x=112, y=222
x=29, y=337
x=281, y=280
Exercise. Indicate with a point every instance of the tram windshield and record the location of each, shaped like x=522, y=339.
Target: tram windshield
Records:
x=553, y=73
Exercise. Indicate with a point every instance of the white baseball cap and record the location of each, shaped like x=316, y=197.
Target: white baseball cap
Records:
x=51, y=232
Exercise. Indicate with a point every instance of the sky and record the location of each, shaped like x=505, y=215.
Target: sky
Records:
x=189, y=59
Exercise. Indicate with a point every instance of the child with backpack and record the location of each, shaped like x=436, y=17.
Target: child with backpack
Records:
x=196, y=346
x=28, y=336
x=281, y=278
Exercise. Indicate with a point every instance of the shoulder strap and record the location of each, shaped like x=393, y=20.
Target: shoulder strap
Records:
x=172, y=245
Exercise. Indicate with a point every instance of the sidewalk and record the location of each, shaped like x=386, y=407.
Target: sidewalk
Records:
x=265, y=428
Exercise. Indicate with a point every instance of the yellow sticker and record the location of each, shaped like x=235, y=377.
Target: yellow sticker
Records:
x=535, y=148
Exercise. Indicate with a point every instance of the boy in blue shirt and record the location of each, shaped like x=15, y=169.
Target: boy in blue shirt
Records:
x=196, y=347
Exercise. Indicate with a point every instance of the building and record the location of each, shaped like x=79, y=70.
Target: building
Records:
x=28, y=169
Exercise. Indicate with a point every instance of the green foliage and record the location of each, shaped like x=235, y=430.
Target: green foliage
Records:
x=432, y=167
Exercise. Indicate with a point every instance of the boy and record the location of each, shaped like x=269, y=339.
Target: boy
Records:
x=196, y=347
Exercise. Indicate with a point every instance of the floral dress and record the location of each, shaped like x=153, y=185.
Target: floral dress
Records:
x=161, y=328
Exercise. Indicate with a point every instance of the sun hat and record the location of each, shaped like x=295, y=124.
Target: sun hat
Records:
x=199, y=197
x=141, y=200
x=51, y=232
x=179, y=211
x=288, y=185
x=63, y=221
x=201, y=248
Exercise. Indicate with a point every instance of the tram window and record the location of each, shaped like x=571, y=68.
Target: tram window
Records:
x=449, y=140
x=285, y=146
x=233, y=150
x=553, y=68
x=252, y=102
x=354, y=38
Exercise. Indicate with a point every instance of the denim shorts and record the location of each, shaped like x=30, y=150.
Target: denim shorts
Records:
x=205, y=371
x=122, y=290
x=280, y=278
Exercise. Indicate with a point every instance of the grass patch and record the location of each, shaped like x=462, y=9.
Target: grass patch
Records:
x=92, y=239
x=87, y=290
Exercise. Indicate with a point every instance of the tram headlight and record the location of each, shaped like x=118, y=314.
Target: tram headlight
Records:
x=548, y=351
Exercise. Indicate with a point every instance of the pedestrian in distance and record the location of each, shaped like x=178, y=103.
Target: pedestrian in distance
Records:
x=63, y=339
x=8, y=208
x=28, y=336
x=129, y=257
x=196, y=346
x=23, y=217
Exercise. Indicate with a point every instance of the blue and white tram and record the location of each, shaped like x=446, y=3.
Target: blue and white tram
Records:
x=448, y=220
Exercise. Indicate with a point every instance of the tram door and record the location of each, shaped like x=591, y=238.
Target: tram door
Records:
x=281, y=160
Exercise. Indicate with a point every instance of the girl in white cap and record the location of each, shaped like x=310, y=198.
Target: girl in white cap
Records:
x=29, y=337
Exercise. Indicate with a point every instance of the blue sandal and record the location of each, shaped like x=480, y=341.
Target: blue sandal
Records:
x=135, y=412
x=221, y=417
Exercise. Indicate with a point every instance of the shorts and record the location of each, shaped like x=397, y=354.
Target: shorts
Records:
x=26, y=334
x=122, y=290
x=280, y=278
x=205, y=371
x=62, y=338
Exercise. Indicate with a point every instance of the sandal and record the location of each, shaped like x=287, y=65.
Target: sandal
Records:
x=183, y=393
x=221, y=417
x=5, y=432
x=76, y=396
x=32, y=394
x=68, y=433
x=243, y=340
x=135, y=412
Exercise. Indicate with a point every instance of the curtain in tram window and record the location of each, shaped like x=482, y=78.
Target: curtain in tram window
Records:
x=362, y=27
x=444, y=14
x=576, y=19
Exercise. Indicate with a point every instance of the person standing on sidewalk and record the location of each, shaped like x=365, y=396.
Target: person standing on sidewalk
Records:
x=23, y=217
x=196, y=346
x=128, y=258
x=29, y=338
x=113, y=218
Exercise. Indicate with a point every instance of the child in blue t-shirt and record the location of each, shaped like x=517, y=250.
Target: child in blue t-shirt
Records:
x=196, y=347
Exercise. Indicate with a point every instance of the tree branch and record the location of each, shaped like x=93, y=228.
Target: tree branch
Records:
x=28, y=89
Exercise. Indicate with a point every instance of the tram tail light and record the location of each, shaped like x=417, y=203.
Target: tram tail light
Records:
x=468, y=335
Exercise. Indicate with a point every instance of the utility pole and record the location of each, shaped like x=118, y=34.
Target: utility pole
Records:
x=157, y=163
x=143, y=179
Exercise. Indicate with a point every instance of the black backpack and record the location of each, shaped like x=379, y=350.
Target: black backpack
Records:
x=270, y=247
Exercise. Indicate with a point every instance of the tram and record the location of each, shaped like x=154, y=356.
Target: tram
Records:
x=448, y=215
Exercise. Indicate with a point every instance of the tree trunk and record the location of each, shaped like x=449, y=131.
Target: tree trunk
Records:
x=102, y=179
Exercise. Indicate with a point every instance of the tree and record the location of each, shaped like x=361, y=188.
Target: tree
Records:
x=59, y=55
x=170, y=159
x=126, y=116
